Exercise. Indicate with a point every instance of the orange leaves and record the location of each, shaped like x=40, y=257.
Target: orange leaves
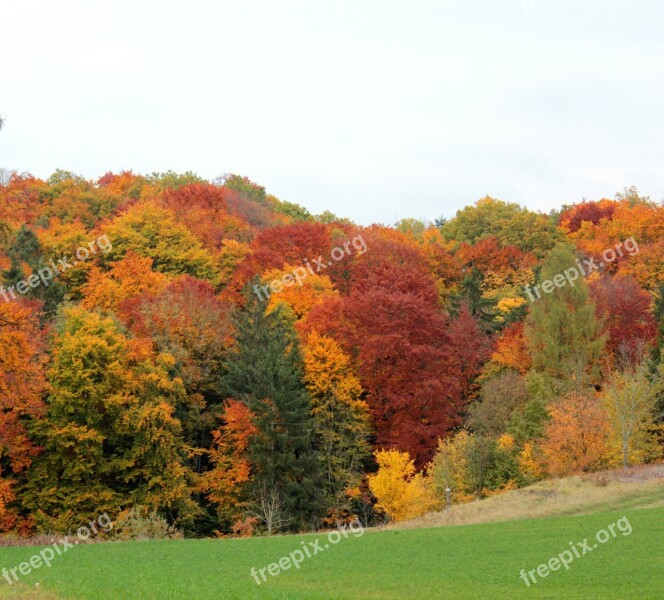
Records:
x=511, y=350
x=126, y=279
x=22, y=380
x=228, y=454
x=577, y=438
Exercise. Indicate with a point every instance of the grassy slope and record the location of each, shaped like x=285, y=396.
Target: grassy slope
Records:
x=639, y=487
x=418, y=559
x=470, y=561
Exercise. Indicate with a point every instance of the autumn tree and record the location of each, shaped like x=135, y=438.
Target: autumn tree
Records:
x=341, y=418
x=22, y=384
x=401, y=492
x=109, y=434
x=152, y=231
x=473, y=348
x=500, y=397
x=187, y=320
x=510, y=223
x=231, y=467
x=449, y=468
x=28, y=258
x=624, y=309
x=577, y=438
x=630, y=399
x=265, y=372
x=127, y=278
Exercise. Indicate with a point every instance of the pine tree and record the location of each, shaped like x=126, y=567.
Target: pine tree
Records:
x=563, y=333
x=266, y=373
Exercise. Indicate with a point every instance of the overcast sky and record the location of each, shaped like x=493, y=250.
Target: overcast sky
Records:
x=373, y=109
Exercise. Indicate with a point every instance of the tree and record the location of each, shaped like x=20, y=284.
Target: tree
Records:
x=473, y=348
x=22, y=384
x=500, y=398
x=577, y=438
x=401, y=492
x=187, y=320
x=265, y=372
x=449, y=467
x=109, y=435
x=341, y=418
x=630, y=400
x=231, y=468
x=510, y=223
x=563, y=334
x=624, y=308
x=152, y=231
x=127, y=278
x=27, y=258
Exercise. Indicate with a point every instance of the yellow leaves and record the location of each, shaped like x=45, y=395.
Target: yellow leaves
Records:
x=529, y=462
x=506, y=305
x=449, y=467
x=230, y=256
x=505, y=442
x=301, y=298
x=401, y=492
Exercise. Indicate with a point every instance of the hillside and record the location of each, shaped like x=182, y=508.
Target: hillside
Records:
x=636, y=488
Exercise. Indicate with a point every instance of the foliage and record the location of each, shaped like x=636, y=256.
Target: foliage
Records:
x=401, y=492
x=563, y=334
x=577, y=438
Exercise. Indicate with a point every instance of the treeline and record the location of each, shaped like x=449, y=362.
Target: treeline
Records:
x=149, y=375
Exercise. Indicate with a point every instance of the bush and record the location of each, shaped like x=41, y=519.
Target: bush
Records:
x=139, y=524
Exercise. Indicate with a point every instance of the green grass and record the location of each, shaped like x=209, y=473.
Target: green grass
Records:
x=469, y=561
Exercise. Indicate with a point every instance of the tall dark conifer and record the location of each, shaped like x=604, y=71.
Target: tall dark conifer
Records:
x=266, y=373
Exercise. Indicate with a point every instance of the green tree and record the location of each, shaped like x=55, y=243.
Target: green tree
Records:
x=27, y=259
x=510, y=223
x=563, y=334
x=109, y=436
x=265, y=371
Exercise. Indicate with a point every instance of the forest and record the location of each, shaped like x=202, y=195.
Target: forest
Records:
x=204, y=355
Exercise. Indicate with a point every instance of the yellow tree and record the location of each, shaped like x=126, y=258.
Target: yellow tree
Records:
x=341, y=417
x=401, y=492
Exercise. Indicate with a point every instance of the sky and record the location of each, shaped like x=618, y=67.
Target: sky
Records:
x=374, y=109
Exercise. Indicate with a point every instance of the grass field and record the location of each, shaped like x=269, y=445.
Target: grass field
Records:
x=465, y=562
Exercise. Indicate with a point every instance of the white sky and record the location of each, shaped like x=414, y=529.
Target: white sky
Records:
x=374, y=109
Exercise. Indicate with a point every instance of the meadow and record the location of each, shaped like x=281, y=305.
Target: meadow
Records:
x=456, y=562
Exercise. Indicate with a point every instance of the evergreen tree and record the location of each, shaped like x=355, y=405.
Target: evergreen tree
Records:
x=265, y=372
x=472, y=294
x=563, y=333
x=27, y=258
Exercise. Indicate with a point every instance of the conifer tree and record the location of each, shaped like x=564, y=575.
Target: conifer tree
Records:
x=265, y=372
x=563, y=333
